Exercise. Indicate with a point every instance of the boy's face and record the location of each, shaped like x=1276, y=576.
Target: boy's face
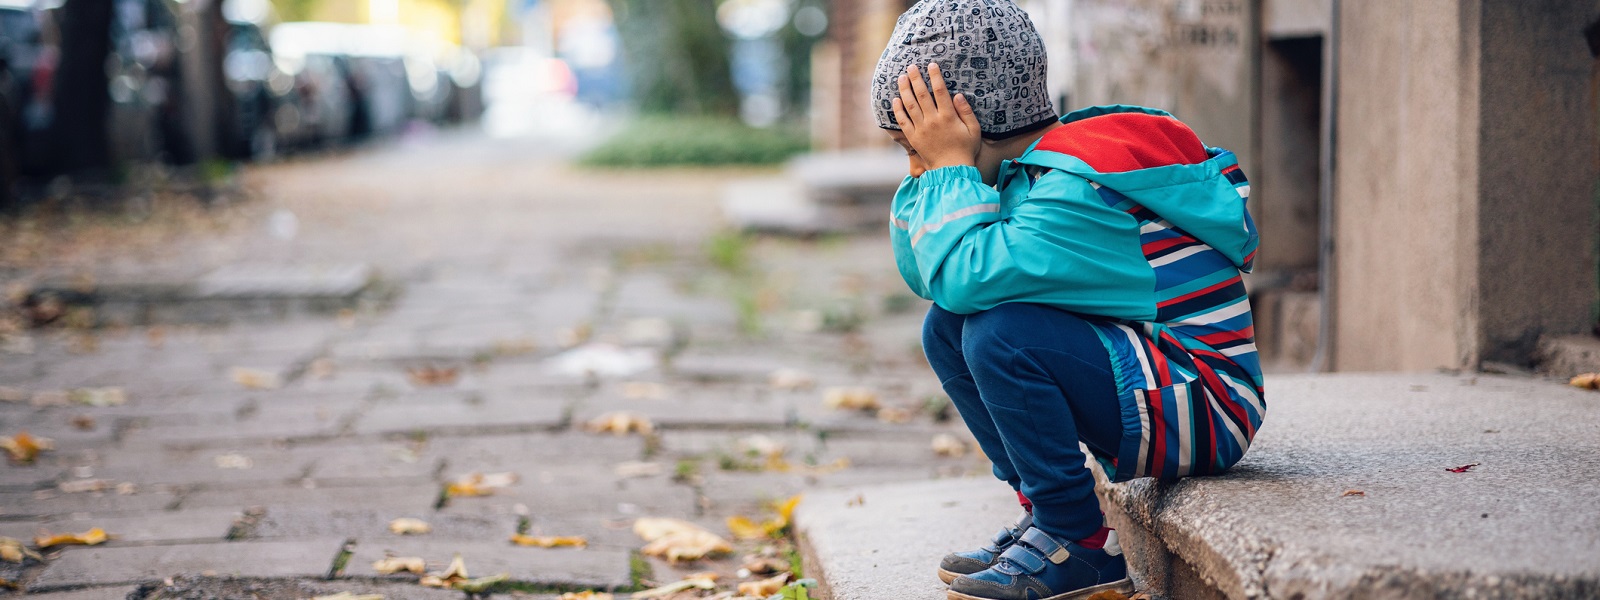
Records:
x=990, y=155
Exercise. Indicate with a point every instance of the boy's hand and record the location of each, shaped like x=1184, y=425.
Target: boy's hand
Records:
x=943, y=130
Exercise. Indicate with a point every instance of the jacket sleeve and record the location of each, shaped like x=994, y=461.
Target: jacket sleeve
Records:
x=1061, y=246
x=900, y=239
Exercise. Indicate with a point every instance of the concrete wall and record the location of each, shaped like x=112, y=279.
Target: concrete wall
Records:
x=1466, y=152
x=1537, y=172
x=1191, y=57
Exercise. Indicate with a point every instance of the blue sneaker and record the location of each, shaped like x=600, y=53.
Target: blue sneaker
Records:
x=1038, y=567
x=957, y=564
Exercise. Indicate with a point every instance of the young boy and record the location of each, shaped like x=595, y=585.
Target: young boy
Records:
x=1086, y=276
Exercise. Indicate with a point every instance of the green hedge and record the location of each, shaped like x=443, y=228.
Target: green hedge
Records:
x=699, y=141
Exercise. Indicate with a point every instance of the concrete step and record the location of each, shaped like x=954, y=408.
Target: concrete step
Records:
x=233, y=293
x=1346, y=493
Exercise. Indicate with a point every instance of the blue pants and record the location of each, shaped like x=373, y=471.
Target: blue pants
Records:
x=1031, y=382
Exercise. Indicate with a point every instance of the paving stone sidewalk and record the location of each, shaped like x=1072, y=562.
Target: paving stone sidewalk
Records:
x=531, y=299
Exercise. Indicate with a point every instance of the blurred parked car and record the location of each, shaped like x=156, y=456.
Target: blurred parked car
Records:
x=265, y=110
x=21, y=53
x=147, y=120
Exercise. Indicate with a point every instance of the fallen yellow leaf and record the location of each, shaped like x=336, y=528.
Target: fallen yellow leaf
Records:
x=842, y=398
x=255, y=379
x=586, y=595
x=786, y=509
x=696, y=581
x=12, y=550
x=91, y=537
x=745, y=529
x=677, y=540
x=896, y=415
x=758, y=565
x=405, y=526
x=400, y=564
x=764, y=587
x=24, y=448
x=549, y=541
x=457, y=571
x=433, y=376
x=1588, y=381
x=621, y=423
x=791, y=379
x=945, y=444
x=643, y=390
x=479, y=484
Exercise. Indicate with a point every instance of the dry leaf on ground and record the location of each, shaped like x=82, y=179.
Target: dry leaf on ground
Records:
x=586, y=595
x=1588, y=381
x=11, y=394
x=255, y=379
x=764, y=587
x=621, y=422
x=945, y=444
x=400, y=564
x=701, y=581
x=233, y=460
x=81, y=486
x=349, y=596
x=746, y=529
x=842, y=398
x=24, y=448
x=1349, y=493
x=50, y=398
x=548, y=541
x=479, y=484
x=433, y=376
x=92, y=537
x=1462, y=468
x=12, y=550
x=83, y=422
x=896, y=415
x=678, y=540
x=643, y=390
x=791, y=379
x=100, y=397
x=764, y=565
x=407, y=526
x=634, y=468
x=457, y=571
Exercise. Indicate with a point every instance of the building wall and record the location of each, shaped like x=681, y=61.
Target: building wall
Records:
x=1406, y=184
x=1466, y=153
x=1192, y=57
x=1537, y=173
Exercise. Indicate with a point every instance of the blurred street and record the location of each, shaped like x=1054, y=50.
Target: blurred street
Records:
x=517, y=301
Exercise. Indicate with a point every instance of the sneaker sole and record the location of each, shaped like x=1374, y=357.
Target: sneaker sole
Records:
x=948, y=576
x=1125, y=586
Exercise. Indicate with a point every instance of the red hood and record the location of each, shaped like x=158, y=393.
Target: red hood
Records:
x=1121, y=142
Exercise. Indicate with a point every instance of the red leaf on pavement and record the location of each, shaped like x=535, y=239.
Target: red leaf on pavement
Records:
x=1462, y=468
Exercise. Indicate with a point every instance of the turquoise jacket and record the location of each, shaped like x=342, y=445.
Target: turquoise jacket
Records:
x=1152, y=256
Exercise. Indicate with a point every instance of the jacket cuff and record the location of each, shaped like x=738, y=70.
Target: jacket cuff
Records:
x=943, y=175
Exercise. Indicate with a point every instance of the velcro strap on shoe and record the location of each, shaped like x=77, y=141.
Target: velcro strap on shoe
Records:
x=1046, y=545
x=1025, y=558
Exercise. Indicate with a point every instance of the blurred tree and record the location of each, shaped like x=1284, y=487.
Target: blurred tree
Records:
x=807, y=25
x=81, y=87
x=294, y=10
x=678, y=56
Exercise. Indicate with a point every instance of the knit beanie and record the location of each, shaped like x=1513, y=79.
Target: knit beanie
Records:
x=987, y=49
